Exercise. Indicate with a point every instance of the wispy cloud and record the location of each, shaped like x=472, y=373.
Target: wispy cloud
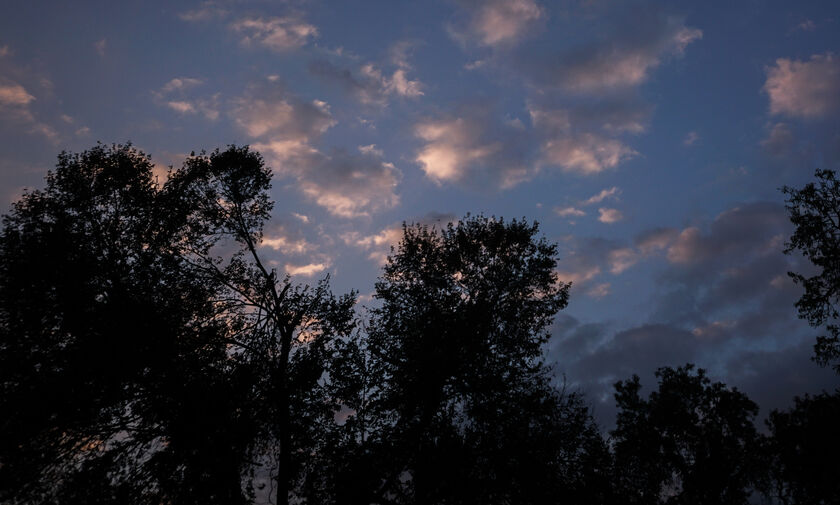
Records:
x=496, y=22
x=279, y=34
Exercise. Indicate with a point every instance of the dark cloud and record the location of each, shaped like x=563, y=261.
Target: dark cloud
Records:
x=615, y=63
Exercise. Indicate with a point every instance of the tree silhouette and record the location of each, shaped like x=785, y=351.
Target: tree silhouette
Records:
x=801, y=452
x=143, y=353
x=463, y=315
x=815, y=211
x=98, y=331
x=691, y=442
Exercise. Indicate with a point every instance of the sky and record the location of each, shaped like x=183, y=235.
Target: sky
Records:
x=648, y=139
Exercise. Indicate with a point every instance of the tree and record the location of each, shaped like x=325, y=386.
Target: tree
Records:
x=815, y=212
x=98, y=327
x=282, y=332
x=142, y=352
x=802, y=450
x=464, y=313
x=691, y=442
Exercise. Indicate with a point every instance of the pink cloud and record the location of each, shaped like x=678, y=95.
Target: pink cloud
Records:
x=806, y=89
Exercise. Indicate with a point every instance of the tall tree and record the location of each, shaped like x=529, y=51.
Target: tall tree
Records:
x=691, y=441
x=463, y=315
x=99, y=329
x=144, y=344
x=815, y=211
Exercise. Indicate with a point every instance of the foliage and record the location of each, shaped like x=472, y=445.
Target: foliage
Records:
x=464, y=312
x=691, y=442
x=801, y=452
x=815, y=211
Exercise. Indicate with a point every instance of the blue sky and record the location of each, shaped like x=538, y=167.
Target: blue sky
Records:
x=648, y=139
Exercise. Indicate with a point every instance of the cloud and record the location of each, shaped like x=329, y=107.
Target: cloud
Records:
x=100, y=47
x=569, y=211
x=496, y=22
x=612, y=192
x=474, y=148
x=346, y=183
x=655, y=240
x=806, y=89
x=15, y=95
x=737, y=231
x=272, y=112
x=570, y=144
x=691, y=138
x=780, y=141
x=351, y=184
x=368, y=84
x=307, y=270
x=208, y=11
x=173, y=95
x=379, y=244
x=609, y=216
x=586, y=154
x=280, y=34
x=623, y=60
x=722, y=300
x=15, y=108
x=622, y=259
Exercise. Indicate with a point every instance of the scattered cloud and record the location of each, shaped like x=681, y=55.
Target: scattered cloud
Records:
x=569, y=212
x=691, y=138
x=805, y=89
x=586, y=153
x=474, y=148
x=621, y=61
x=612, y=192
x=174, y=96
x=741, y=230
x=806, y=25
x=307, y=270
x=609, y=216
x=15, y=95
x=368, y=84
x=271, y=112
x=780, y=141
x=280, y=34
x=496, y=22
x=350, y=184
x=101, y=46
x=379, y=244
x=208, y=11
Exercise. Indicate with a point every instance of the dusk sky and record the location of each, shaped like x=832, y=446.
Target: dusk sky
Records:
x=648, y=139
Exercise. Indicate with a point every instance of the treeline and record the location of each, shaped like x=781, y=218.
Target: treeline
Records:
x=149, y=354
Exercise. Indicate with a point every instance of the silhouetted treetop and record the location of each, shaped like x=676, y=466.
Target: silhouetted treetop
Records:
x=815, y=211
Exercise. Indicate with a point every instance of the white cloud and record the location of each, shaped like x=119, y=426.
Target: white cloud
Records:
x=569, y=211
x=307, y=270
x=603, y=195
x=277, y=33
x=807, y=89
x=451, y=146
x=609, y=216
x=586, y=153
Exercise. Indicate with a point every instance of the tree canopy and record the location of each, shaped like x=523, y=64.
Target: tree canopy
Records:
x=149, y=354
